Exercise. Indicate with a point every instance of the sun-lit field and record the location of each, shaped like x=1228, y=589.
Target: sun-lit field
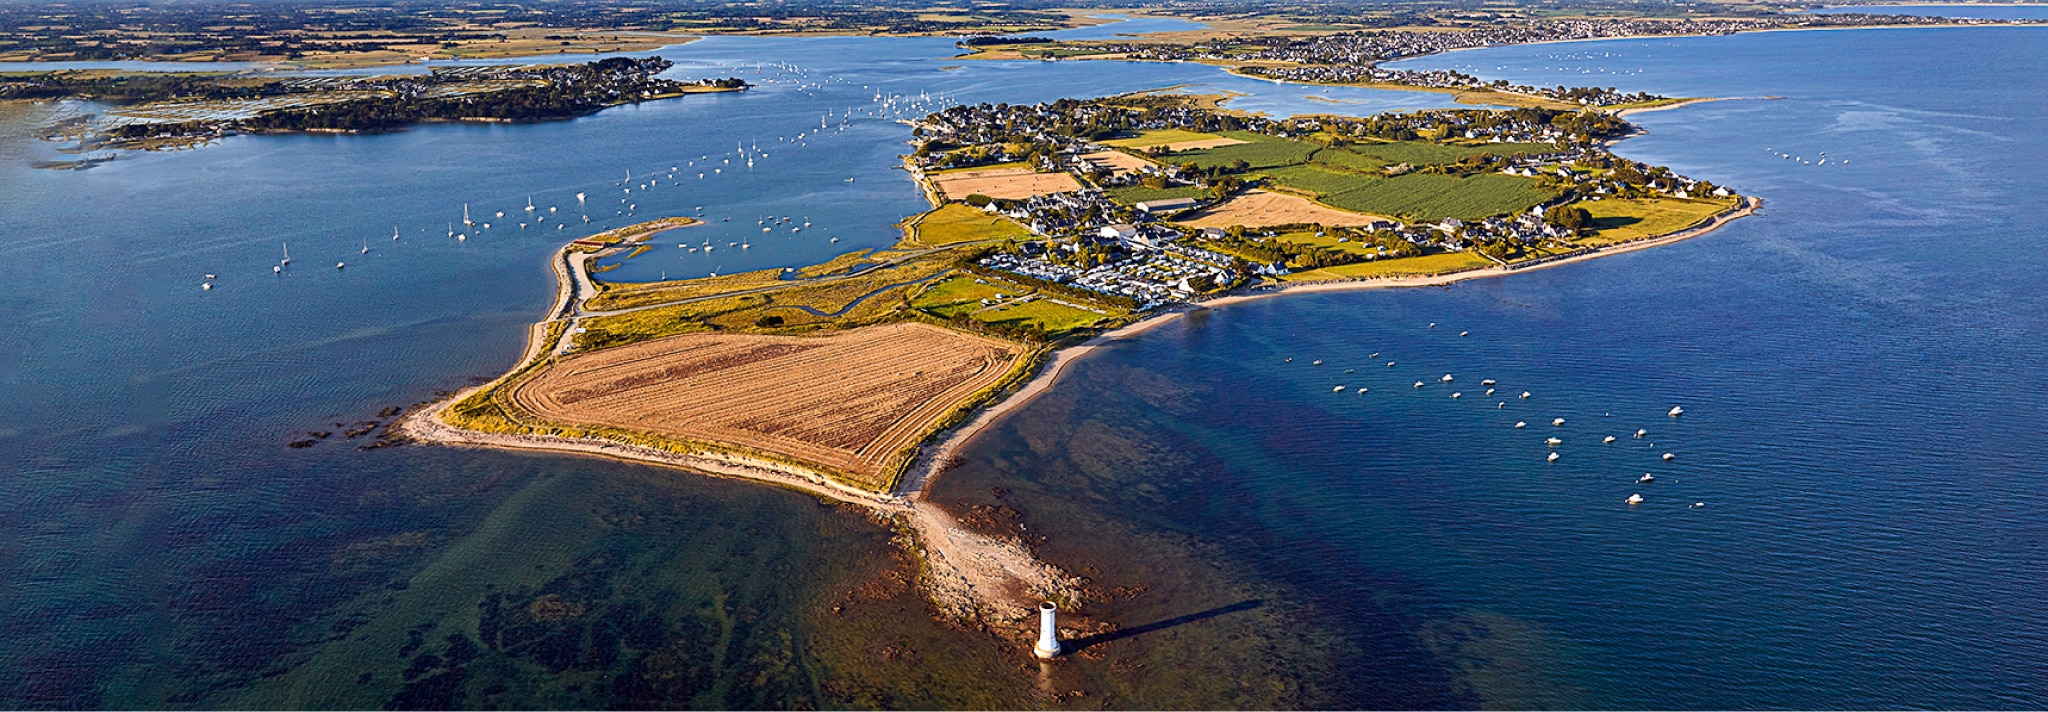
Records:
x=1259, y=208
x=1429, y=197
x=1118, y=162
x=851, y=401
x=1256, y=150
x=1044, y=313
x=1006, y=183
x=1420, y=266
x=954, y=223
x=1621, y=220
x=1173, y=140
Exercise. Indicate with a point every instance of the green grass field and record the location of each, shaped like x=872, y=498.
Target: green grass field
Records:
x=1348, y=178
x=1348, y=160
x=1260, y=152
x=1422, y=266
x=1417, y=153
x=1415, y=196
x=954, y=223
x=1320, y=181
x=1134, y=194
x=1053, y=318
x=960, y=294
x=1621, y=220
x=1430, y=198
x=1158, y=137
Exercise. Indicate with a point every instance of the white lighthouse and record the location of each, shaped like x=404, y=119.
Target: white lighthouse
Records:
x=1048, y=633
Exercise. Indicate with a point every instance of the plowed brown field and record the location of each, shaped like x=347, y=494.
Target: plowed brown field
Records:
x=1258, y=208
x=849, y=401
x=1015, y=183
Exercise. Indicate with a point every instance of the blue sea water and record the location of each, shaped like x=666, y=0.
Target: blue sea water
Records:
x=1122, y=26
x=1987, y=11
x=1860, y=363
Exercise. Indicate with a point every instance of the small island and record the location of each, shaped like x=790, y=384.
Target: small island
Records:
x=1053, y=227
x=176, y=110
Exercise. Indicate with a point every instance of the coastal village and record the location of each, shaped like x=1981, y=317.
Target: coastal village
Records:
x=1132, y=226
x=1353, y=57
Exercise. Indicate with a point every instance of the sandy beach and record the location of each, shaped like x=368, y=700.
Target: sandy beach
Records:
x=969, y=576
x=948, y=444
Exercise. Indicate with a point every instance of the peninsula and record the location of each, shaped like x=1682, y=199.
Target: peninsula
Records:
x=1054, y=227
x=154, y=110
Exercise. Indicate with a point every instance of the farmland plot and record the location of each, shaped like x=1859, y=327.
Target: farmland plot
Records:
x=852, y=402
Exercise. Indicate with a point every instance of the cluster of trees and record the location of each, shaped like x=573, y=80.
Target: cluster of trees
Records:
x=136, y=88
x=1582, y=125
x=585, y=88
x=129, y=30
x=1570, y=218
x=568, y=92
x=998, y=40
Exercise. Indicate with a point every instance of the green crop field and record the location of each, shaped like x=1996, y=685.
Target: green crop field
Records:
x=1261, y=152
x=1418, y=153
x=1321, y=181
x=1349, y=160
x=1134, y=194
x=954, y=223
x=1429, y=198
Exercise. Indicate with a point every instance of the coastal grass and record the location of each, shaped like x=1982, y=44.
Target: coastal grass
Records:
x=626, y=295
x=1420, y=266
x=962, y=294
x=1052, y=317
x=956, y=223
x=835, y=265
x=1618, y=220
x=631, y=327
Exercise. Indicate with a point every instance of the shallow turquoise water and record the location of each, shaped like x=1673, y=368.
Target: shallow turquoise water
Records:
x=1860, y=363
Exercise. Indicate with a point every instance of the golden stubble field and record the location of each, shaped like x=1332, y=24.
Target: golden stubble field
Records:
x=1118, y=162
x=1014, y=183
x=1258, y=208
x=849, y=401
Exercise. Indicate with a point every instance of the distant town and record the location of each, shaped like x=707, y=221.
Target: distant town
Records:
x=1353, y=57
x=1134, y=226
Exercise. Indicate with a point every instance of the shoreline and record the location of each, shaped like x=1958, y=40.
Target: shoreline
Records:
x=969, y=577
x=945, y=445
